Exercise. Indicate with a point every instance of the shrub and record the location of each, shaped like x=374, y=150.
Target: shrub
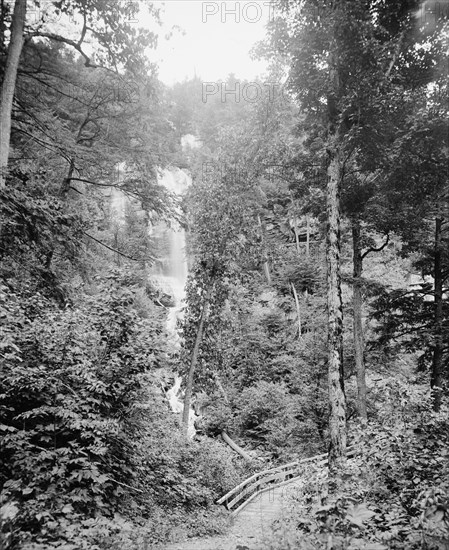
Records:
x=393, y=495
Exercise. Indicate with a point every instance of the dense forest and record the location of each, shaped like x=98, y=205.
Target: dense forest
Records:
x=316, y=314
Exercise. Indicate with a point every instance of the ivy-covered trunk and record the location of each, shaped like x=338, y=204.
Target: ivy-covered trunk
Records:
x=357, y=320
x=9, y=83
x=337, y=400
x=437, y=361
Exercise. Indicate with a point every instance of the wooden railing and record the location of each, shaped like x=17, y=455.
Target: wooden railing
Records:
x=240, y=496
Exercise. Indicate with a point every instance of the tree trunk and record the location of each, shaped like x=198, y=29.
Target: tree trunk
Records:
x=295, y=228
x=337, y=400
x=298, y=311
x=2, y=31
x=67, y=180
x=9, y=83
x=234, y=445
x=436, y=378
x=118, y=258
x=357, y=320
x=307, y=236
x=193, y=362
x=266, y=265
x=266, y=270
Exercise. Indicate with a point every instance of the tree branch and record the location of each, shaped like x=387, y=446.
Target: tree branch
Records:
x=44, y=144
x=397, y=51
x=83, y=32
x=412, y=330
x=58, y=90
x=117, y=251
x=95, y=182
x=69, y=42
x=121, y=188
x=124, y=485
x=376, y=249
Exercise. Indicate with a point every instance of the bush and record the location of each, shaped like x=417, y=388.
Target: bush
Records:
x=394, y=495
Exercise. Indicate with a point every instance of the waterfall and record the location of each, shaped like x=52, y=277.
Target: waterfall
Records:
x=170, y=272
x=170, y=276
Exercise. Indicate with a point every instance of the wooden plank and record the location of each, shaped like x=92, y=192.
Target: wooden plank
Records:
x=241, y=496
x=274, y=477
x=250, y=485
x=253, y=489
x=244, y=504
x=351, y=452
x=240, y=486
x=247, y=491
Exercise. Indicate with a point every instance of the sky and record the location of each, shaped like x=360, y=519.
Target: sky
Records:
x=215, y=39
x=210, y=39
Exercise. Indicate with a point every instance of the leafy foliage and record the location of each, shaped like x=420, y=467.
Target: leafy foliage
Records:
x=393, y=494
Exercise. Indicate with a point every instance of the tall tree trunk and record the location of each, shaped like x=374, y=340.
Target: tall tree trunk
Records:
x=337, y=400
x=295, y=226
x=357, y=320
x=118, y=258
x=9, y=83
x=68, y=179
x=193, y=362
x=307, y=235
x=2, y=30
x=298, y=248
x=437, y=360
x=298, y=310
x=266, y=264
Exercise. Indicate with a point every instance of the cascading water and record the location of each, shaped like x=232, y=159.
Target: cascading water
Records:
x=170, y=276
x=170, y=271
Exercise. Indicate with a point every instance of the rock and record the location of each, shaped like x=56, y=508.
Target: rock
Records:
x=166, y=300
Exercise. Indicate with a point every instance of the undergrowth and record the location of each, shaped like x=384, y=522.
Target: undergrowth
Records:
x=394, y=495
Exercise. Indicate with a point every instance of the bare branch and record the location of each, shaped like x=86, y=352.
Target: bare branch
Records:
x=83, y=32
x=123, y=189
x=95, y=182
x=44, y=144
x=58, y=90
x=379, y=249
x=118, y=251
x=124, y=485
x=69, y=42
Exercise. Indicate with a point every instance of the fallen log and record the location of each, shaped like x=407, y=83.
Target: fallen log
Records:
x=234, y=446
